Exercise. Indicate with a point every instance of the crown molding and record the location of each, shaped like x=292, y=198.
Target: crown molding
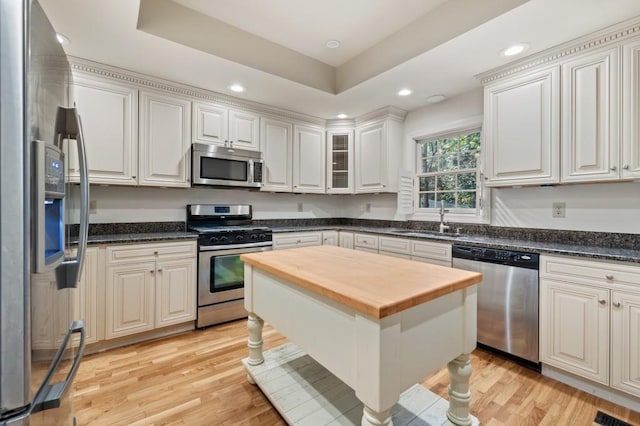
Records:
x=388, y=112
x=145, y=81
x=606, y=37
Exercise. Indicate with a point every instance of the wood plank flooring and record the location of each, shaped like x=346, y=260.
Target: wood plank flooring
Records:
x=197, y=378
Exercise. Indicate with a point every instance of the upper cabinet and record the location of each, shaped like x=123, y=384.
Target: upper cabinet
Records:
x=109, y=114
x=590, y=119
x=340, y=161
x=521, y=129
x=308, y=159
x=378, y=145
x=581, y=105
x=277, y=149
x=218, y=125
x=631, y=109
x=165, y=139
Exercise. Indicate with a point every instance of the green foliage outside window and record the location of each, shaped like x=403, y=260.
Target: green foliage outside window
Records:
x=448, y=172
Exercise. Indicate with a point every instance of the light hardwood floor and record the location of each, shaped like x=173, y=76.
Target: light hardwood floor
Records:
x=196, y=378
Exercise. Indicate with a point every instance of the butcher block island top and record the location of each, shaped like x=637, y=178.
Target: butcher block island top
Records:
x=375, y=285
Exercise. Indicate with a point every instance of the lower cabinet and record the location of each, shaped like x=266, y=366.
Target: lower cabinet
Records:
x=396, y=247
x=345, y=239
x=590, y=320
x=305, y=239
x=430, y=252
x=365, y=242
x=149, y=286
x=330, y=238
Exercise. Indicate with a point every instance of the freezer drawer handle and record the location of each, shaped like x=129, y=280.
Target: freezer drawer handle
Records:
x=49, y=395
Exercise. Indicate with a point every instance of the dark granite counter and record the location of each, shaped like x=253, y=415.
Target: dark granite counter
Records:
x=589, y=251
x=596, y=245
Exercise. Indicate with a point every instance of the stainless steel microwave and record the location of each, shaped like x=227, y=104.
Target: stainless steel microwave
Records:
x=221, y=166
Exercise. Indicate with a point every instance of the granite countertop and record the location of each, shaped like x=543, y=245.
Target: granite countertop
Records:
x=128, y=233
x=606, y=253
x=140, y=237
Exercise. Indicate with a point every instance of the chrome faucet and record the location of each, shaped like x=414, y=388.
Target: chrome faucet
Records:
x=443, y=226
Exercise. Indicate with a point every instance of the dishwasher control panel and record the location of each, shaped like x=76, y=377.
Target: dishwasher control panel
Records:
x=503, y=257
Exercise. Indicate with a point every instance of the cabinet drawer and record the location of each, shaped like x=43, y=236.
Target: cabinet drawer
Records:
x=365, y=241
x=297, y=239
x=128, y=253
x=432, y=261
x=589, y=271
x=429, y=250
x=394, y=245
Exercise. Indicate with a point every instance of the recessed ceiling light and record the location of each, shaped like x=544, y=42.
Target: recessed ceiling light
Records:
x=436, y=98
x=332, y=44
x=405, y=92
x=236, y=88
x=342, y=115
x=62, y=39
x=515, y=49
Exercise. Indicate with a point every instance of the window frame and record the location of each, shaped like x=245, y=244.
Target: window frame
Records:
x=481, y=214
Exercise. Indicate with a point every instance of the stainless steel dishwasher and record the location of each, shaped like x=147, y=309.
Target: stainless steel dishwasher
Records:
x=507, y=298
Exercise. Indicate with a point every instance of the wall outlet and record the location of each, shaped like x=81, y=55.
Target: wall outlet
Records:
x=558, y=210
x=300, y=207
x=367, y=207
x=93, y=206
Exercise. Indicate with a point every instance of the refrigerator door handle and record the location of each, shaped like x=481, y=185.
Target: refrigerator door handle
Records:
x=69, y=126
x=49, y=395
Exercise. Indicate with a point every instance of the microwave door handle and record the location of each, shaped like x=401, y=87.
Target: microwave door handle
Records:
x=251, y=171
x=69, y=126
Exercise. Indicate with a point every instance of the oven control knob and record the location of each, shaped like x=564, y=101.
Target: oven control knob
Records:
x=213, y=239
x=262, y=237
x=224, y=239
x=239, y=238
x=254, y=237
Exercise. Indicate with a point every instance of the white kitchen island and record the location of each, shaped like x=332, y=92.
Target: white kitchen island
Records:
x=379, y=324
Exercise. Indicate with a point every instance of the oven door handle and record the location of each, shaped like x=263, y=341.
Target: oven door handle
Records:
x=237, y=248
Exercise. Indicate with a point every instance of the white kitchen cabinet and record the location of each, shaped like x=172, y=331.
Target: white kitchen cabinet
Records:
x=521, y=132
x=574, y=327
x=340, y=162
x=625, y=341
x=431, y=252
x=90, y=295
x=330, y=238
x=277, y=149
x=590, y=320
x=129, y=299
x=165, y=140
x=142, y=279
x=345, y=239
x=109, y=114
x=365, y=242
x=590, y=117
x=396, y=247
x=631, y=109
x=378, y=145
x=308, y=160
x=175, y=291
x=297, y=239
x=219, y=125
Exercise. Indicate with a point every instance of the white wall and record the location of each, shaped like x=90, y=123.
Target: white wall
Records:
x=134, y=204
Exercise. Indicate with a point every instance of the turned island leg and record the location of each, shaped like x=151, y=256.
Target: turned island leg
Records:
x=459, y=393
x=254, y=325
x=374, y=418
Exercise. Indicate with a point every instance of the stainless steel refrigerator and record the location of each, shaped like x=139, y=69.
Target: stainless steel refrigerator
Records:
x=41, y=340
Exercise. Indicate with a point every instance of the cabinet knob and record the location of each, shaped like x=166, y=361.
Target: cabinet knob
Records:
x=298, y=242
x=614, y=168
x=133, y=177
x=160, y=270
x=602, y=301
x=617, y=304
x=626, y=167
x=609, y=277
x=155, y=253
x=152, y=272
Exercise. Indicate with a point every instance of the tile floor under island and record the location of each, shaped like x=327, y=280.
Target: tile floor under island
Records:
x=197, y=378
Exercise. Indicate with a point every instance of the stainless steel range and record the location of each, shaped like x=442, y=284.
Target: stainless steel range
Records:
x=225, y=233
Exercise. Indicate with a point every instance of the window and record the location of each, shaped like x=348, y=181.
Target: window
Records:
x=448, y=172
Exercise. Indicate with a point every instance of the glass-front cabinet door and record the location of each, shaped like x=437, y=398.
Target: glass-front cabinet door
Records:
x=340, y=162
